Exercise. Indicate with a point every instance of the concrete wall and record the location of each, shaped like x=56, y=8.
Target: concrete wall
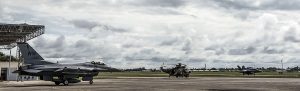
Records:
x=13, y=67
x=15, y=76
x=5, y=64
x=12, y=76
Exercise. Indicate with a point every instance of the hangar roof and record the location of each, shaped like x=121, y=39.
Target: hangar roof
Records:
x=10, y=34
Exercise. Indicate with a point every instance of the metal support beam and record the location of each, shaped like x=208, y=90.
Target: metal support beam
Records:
x=10, y=34
x=9, y=68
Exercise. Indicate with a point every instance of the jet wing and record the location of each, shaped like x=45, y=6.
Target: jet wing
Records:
x=16, y=71
x=80, y=69
x=100, y=69
x=75, y=71
x=32, y=71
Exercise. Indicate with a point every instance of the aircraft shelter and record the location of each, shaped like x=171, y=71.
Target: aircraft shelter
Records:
x=10, y=35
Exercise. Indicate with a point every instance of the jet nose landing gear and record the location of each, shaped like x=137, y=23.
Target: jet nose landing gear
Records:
x=91, y=81
x=57, y=83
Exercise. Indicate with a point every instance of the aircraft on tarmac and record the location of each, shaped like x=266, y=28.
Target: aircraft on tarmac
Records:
x=35, y=65
x=248, y=70
x=180, y=70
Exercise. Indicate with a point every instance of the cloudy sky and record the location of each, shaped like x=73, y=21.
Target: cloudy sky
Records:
x=146, y=33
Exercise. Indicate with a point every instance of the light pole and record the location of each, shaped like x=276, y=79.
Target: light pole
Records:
x=282, y=64
x=9, y=64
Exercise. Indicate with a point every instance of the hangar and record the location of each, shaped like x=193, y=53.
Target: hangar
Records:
x=10, y=35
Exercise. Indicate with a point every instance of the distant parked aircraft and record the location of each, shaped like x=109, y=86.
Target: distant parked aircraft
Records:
x=180, y=70
x=248, y=70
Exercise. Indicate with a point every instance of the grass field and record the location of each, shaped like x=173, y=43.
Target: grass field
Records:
x=199, y=74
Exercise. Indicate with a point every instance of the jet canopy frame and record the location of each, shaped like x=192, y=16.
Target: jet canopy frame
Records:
x=10, y=34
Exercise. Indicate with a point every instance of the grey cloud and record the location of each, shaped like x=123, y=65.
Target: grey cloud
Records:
x=50, y=48
x=20, y=15
x=130, y=46
x=91, y=25
x=156, y=59
x=283, y=5
x=217, y=50
x=78, y=49
x=111, y=28
x=82, y=43
x=143, y=54
x=187, y=47
x=272, y=61
x=40, y=42
x=148, y=42
x=272, y=50
x=192, y=60
x=241, y=61
x=159, y=3
x=151, y=55
x=234, y=4
x=148, y=51
x=243, y=51
x=292, y=60
x=231, y=61
x=291, y=38
x=160, y=11
x=219, y=61
x=1, y=9
x=58, y=43
x=220, y=51
x=291, y=35
x=169, y=42
x=259, y=4
x=84, y=24
x=164, y=59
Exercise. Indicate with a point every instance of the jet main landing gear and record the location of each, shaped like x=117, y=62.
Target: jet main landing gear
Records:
x=66, y=82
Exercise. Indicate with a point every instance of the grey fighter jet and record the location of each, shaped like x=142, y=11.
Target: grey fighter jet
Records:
x=35, y=65
x=179, y=70
x=248, y=70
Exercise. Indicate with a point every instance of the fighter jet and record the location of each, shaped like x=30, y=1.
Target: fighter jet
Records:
x=179, y=70
x=248, y=70
x=35, y=65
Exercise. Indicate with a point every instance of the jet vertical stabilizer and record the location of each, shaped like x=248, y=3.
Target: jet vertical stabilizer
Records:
x=30, y=55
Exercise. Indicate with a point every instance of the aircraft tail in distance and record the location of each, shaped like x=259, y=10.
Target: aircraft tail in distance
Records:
x=239, y=67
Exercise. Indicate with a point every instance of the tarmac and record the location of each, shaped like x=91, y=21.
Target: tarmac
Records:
x=162, y=84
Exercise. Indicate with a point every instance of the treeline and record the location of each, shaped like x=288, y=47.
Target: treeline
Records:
x=140, y=69
x=135, y=69
x=268, y=69
x=5, y=58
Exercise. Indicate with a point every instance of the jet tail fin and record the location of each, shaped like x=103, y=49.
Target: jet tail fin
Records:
x=239, y=68
x=29, y=54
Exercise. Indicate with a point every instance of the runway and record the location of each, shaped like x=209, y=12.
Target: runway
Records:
x=162, y=84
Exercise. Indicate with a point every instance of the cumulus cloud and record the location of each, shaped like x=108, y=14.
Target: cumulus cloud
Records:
x=259, y=4
x=159, y=3
x=84, y=24
x=135, y=33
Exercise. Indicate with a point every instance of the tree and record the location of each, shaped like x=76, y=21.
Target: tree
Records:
x=5, y=58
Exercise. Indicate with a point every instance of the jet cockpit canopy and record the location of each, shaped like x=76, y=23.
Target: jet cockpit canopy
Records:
x=98, y=63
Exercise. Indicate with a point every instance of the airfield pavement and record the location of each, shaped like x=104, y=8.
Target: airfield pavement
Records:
x=162, y=84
